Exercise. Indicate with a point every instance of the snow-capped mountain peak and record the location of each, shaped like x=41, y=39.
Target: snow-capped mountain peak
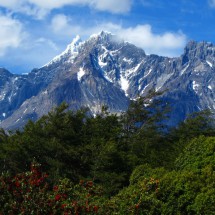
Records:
x=100, y=34
x=106, y=37
x=70, y=52
x=76, y=41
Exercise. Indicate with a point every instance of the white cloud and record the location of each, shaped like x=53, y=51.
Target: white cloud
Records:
x=11, y=35
x=211, y=3
x=39, y=8
x=25, y=7
x=11, y=3
x=51, y=4
x=64, y=27
x=114, y=6
x=167, y=43
x=59, y=22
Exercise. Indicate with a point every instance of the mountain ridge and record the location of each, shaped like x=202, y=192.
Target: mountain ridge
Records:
x=105, y=70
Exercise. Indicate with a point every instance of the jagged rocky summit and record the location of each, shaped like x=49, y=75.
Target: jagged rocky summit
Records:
x=105, y=70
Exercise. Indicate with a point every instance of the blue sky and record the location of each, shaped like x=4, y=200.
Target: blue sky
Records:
x=34, y=31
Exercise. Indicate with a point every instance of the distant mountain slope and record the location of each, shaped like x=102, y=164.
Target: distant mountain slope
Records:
x=107, y=70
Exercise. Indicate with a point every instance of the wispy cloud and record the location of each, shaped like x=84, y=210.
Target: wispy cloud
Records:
x=60, y=22
x=146, y=3
x=25, y=7
x=12, y=33
x=211, y=3
x=41, y=41
x=63, y=25
x=119, y=6
x=39, y=8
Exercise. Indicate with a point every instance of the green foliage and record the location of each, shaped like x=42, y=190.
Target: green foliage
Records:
x=145, y=171
x=142, y=167
x=196, y=124
x=145, y=132
x=145, y=112
x=55, y=140
x=199, y=153
x=110, y=169
x=3, y=136
x=205, y=202
x=139, y=198
x=189, y=190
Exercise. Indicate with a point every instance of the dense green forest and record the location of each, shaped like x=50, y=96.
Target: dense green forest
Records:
x=69, y=162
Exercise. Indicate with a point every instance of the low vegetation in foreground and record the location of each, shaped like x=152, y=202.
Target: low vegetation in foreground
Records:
x=71, y=163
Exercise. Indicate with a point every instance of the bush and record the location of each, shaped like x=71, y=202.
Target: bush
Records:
x=31, y=193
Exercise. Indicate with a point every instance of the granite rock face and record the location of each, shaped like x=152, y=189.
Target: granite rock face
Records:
x=104, y=70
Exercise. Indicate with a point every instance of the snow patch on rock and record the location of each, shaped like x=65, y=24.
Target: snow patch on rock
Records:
x=195, y=86
x=80, y=74
x=209, y=63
